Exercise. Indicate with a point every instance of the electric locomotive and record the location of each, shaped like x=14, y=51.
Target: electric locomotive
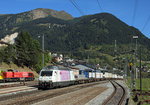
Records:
x=55, y=76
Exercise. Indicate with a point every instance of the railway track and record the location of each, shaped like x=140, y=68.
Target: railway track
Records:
x=118, y=96
x=15, y=90
x=16, y=84
x=40, y=95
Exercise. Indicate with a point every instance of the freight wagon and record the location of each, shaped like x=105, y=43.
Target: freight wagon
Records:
x=108, y=75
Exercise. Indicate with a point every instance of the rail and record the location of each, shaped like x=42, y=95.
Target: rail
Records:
x=118, y=95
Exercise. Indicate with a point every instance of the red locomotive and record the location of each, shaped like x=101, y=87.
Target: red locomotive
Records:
x=10, y=75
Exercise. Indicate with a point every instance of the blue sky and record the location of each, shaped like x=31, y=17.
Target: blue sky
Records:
x=122, y=9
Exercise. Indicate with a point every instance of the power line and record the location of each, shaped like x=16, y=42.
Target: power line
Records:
x=147, y=21
x=134, y=12
x=76, y=6
x=99, y=5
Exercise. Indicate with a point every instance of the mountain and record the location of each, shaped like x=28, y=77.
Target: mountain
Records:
x=43, y=13
x=64, y=33
x=2, y=14
x=11, y=22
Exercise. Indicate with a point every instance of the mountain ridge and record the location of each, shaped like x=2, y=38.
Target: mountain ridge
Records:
x=75, y=34
x=43, y=12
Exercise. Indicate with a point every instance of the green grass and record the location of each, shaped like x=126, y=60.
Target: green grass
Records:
x=145, y=88
x=145, y=84
x=143, y=98
x=145, y=104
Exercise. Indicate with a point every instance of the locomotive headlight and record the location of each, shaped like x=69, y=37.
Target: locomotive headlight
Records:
x=40, y=78
x=47, y=79
x=50, y=78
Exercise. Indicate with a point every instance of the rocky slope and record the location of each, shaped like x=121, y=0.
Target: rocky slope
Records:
x=43, y=13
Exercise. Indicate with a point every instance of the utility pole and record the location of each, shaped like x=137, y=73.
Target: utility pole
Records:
x=135, y=61
x=43, y=50
x=42, y=36
x=95, y=71
x=130, y=65
x=115, y=50
x=88, y=59
x=135, y=71
x=125, y=69
x=130, y=82
x=140, y=73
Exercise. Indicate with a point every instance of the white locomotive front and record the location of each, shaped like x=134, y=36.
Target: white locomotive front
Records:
x=55, y=76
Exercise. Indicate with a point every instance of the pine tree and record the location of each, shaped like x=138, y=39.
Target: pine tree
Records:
x=7, y=54
x=28, y=51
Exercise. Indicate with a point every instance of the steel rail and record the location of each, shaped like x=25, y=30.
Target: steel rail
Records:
x=110, y=98
x=123, y=95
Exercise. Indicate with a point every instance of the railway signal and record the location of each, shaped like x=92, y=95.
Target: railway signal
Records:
x=131, y=64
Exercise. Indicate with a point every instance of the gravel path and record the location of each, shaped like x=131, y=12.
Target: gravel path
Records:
x=82, y=96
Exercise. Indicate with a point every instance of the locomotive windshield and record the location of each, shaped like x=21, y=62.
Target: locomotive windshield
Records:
x=46, y=73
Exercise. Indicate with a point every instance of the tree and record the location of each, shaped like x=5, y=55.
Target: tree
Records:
x=7, y=54
x=28, y=51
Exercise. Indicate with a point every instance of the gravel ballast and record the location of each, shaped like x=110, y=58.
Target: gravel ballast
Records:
x=98, y=100
x=93, y=95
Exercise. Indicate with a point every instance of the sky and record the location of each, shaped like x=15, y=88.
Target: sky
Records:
x=133, y=12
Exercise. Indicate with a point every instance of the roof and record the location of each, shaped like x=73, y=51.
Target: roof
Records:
x=52, y=67
x=82, y=67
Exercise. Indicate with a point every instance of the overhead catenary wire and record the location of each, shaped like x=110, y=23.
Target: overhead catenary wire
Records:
x=99, y=5
x=146, y=23
x=76, y=6
x=134, y=11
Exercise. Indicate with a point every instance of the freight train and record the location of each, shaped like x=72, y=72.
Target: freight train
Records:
x=58, y=76
x=10, y=75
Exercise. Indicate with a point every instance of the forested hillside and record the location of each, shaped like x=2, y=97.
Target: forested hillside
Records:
x=84, y=34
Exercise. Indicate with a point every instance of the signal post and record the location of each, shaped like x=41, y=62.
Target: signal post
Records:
x=130, y=65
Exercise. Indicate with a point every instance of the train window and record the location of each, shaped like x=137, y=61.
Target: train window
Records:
x=10, y=70
x=46, y=73
x=30, y=74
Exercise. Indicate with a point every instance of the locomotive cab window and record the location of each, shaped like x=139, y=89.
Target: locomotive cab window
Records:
x=46, y=73
x=30, y=74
